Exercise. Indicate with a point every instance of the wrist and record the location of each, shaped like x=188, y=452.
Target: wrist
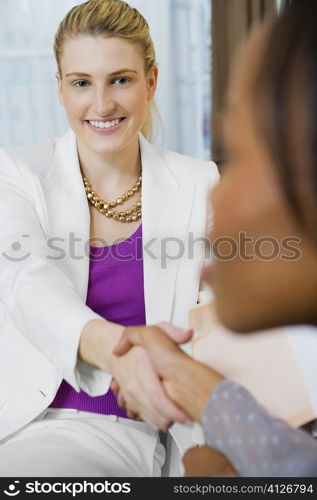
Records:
x=191, y=385
x=98, y=339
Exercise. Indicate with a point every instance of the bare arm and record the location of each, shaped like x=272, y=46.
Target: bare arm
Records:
x=97, y=342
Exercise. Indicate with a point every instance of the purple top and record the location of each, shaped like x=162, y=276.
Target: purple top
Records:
x=116, y=292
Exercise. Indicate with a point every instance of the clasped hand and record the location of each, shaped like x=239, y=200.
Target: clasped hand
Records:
x=142, y=389
x=161, y=374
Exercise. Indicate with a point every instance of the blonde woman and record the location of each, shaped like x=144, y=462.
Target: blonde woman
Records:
x=84, y=257
x=270, y=132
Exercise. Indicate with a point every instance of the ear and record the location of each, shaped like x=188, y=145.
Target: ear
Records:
x=59, y=88
x=152, y=82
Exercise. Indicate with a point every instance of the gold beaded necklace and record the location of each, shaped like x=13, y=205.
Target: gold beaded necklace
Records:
x=106, y=207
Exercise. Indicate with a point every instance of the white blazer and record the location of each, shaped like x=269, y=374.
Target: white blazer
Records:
x=43, y=290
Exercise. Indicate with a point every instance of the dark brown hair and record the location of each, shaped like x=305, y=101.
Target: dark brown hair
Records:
x=287, y=81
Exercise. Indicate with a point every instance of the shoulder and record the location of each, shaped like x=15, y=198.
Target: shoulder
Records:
x=27, y=159
x=193, y=169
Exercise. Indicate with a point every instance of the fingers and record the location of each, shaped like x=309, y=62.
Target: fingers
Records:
x=133, y=415
x=161, y=350
x=129, y=338
x=152, y=404
x=123, y=404
x=159, y=410
x=175, y=414
x=114, y=386
x=178, y=335
x=142, y=335
x=169, y=409
x=139, y=386
x=123, y=346
x=121, y=400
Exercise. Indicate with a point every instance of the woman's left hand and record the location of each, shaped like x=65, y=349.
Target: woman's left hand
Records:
x=203, y=461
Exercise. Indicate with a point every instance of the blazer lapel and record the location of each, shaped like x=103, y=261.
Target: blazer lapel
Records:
x=166, y=211
x=68, y=213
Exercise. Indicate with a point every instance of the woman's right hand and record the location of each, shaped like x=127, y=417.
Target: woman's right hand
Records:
x=186, y=381
x=141, y=388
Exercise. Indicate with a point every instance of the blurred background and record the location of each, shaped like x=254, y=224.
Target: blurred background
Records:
x=194, y=41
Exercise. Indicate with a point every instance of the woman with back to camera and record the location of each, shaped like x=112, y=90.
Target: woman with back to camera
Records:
x=65, y=308
x=270, y=184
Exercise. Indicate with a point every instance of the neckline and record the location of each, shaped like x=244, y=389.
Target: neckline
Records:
x=126, y=241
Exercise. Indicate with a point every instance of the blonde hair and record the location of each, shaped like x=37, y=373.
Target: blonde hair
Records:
x=110, y=18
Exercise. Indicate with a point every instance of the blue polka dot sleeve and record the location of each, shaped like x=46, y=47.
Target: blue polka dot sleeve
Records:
x=256, y=443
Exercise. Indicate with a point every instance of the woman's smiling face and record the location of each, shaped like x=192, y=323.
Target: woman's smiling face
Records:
x=105, y=91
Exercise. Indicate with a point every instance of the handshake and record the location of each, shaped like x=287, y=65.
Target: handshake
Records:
x=161, y=384
x=150, y=391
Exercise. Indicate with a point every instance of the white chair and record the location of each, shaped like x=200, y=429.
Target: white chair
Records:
x=177, y=441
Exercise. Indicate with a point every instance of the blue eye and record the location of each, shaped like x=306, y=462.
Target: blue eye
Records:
x=121, y=80
x=80, y=84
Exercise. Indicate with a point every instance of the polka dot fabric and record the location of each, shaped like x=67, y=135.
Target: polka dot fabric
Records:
x=256, y=443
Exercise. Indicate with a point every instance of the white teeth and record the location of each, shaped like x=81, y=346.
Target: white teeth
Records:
x=106, y=124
